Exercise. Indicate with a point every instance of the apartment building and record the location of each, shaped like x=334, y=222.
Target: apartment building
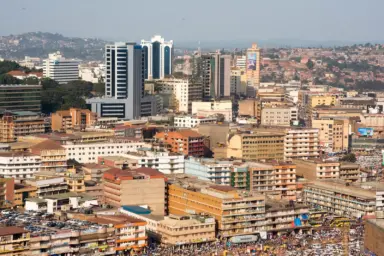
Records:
x=129, y=233
x=236, y=85
x=211, y=108
x=186, y=142
x=72, y=119
x=317, y=169
x=334, y=133
x=192, y=121
x=19, y=165
x=48, y=185
x=20, y=97
x=14, y=241
x=349, y=171
x=256, y=146
x=53, y=156
x=250, y=107
x=20, y=123
x=175, y=230
x=338, y=198
x=90, y=152
x=165, y=162
x=236, y=212
x=61, y=69
x=301, y=143
x=75, y=180
x=7, y=193
x=278, y=115
x=21, y=193
x=215, y=171
x=142, y=186
x=277, y=180
x=182, y=92
x=281, y=214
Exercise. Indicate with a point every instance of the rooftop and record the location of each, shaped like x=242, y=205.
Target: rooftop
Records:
x=114, y=219
x=130, y=174
x=6, y=231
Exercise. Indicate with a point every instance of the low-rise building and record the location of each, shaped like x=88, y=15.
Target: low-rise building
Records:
x=14, y=241
x=52, y=155
x=20, y=123
x=47, y=186
x=349, y=171
x=186, y=142
x=340, y=198
x=19, y=165
x=142, y=186
x=317, y=169
x=278, y=115
x=192, y=121
x=212, y=108
x=95, y=171
x=179, y=230
x=236, y=212
x=72, y=119
x=22, y=192
x=216, y=171
x=7, y=193
x=301, y=143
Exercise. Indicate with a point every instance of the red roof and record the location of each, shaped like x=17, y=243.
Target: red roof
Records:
x=6, y=231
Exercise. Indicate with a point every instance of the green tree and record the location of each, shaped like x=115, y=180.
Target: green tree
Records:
x=6, y=66
x=32, y=80
x=310, y=64
x=349, y=158
x=99, y=89
x=8, y=79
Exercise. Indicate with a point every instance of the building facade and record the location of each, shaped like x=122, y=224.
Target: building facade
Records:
x=19, y=165
x=212, y=108
x=60, y=69
x=158, y=57
x=301, y=143
x=192, y=121
x=72, y=119
x=253, y=66
x=186, y=142
x=20, y=97
x=216, y=171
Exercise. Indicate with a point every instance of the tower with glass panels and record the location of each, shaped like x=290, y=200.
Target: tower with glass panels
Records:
x=158, y=55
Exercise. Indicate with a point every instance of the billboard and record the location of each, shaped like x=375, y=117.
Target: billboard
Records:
x=251, y=61
x=365, y=132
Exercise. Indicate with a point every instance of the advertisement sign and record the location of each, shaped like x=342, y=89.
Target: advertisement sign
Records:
x=365, y=132
x=251, y=61
x=243, y=239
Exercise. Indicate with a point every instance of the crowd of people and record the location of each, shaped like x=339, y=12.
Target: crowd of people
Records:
x=322, y=241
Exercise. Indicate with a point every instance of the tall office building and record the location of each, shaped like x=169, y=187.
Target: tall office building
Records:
x=253, y=66
x=61, y=69
x=124, y=82
x=20, y=97
x=216, y=75
x=158, y=57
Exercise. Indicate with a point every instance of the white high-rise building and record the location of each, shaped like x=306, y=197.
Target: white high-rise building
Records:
x=158, y=57
x=61, y=69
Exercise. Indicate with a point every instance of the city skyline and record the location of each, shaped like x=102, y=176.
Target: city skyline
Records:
x=275, y=20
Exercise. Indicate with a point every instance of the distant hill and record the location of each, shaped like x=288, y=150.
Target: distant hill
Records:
x=40, y=44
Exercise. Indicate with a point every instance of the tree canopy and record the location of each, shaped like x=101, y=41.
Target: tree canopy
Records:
x=349, y=158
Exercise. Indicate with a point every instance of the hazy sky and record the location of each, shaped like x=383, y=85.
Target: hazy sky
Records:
x=194, y=20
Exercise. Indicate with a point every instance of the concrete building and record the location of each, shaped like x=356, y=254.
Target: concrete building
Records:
x=142, y=186
x=14, y=241
x=158, y=57
x=317, y=169
x=217, y=133
x=216, y=75
x=165, y=162
x=20, y=97
x=253, y=66
x=241, y=62
x=208, y=169
x=60, y=69
x=236, y=85
x=192, y=121
x=276, y=180
x=89, y=152
x=20, y=123
x=278, y=115
x=334, y=133
x=124, y=82
x=340, y=199
x=19, y=165
x=21, y=193
x=301, y=143
x=212, y=108
x=72, y=119
x=53, y=156
x=256, y=146
x=349, y=172
x=250, y=107
x=226, y=204
x=48, y=185
x=95, y=171
x=7, y=193
x=186, y=142
x=181, y=93
x=176, y=230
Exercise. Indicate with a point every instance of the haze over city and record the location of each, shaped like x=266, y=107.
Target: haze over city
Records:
x=286, y=22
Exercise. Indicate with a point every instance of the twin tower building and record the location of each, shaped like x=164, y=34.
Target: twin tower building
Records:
x=127, y=66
